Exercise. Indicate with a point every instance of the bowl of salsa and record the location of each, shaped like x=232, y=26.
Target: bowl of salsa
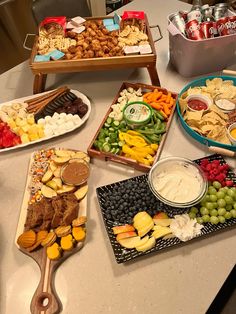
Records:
x=198, y=102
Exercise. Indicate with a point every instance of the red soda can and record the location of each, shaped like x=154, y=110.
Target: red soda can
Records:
x=208, y=29
x=184, y=15
x=193, y=30
x=232, y=20
x=223, y=26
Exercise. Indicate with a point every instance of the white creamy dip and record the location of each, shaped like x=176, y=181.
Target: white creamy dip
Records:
x=178, y=182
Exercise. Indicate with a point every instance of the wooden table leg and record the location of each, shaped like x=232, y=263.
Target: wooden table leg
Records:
x=153, y=75
x=39, y=83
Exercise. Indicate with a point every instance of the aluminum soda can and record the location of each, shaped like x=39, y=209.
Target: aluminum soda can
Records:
x=220, y=10
x=184, y=15
x=223, y=26
x=193, y=30
x=232, y=20
x=194, y=15
x=207, y=28
x=179, y=22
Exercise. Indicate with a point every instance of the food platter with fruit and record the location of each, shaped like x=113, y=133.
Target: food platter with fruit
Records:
x=34, y=119
x=52, y=221
x=138, y=223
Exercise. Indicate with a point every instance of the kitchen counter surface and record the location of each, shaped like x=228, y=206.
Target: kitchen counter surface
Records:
x=184, y=279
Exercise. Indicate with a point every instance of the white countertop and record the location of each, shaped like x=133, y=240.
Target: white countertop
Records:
x=184, y=279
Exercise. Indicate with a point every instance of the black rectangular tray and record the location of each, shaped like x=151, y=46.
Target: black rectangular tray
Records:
x=122, y=254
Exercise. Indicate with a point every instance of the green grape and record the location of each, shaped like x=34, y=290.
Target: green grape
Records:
x=230, y=193
x=228, y=207
x=214, y=220
x=221, y=219
x=205, y=199
x=228, y=215
x=206, y=218
x=216, y=184
x=234, y=205
x=214, y=212
x=213, y=198
x=220, y=194
x=233, y=189
x=199, y=220
x=229, y=200
x=204, y=211
x=194, y=210
x=221, y=202
x=209, y=205
x=221, y=211
x=212, y=190
x=192, y=215
x=233, y=213
x=215, y=205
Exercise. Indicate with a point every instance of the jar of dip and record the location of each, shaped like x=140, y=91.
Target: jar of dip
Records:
x=75, y=172
x=137, y=114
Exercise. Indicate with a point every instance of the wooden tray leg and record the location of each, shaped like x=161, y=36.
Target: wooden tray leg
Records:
x=39, y=83
x=153, y=74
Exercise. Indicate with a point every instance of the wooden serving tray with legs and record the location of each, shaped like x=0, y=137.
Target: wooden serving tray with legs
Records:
x=41, y=69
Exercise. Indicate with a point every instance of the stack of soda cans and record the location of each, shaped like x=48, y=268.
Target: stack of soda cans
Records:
x=204, y=21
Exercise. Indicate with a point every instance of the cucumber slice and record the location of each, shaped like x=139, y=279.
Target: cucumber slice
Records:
x=107, y=125
x=121, y=143
x=116, y=123
x=115, y=144
x=109, y=120
x=111, y=129
x=106, y=147
x=113, y=150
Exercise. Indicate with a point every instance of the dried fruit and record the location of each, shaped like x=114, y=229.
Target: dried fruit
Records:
x=41, y=235
x=27, y=239
x=78, y=233
x=54, y=252
x=67, y=242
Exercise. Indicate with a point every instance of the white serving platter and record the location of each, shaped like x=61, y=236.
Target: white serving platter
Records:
x=20, y=100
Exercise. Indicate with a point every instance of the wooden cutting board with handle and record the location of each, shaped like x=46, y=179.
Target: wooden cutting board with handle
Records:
x=45, y=299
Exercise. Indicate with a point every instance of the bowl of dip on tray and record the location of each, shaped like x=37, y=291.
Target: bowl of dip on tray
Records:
x=75, y=172
x=177, y=182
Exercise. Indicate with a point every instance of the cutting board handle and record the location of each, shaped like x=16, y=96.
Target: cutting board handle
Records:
x=45, y=299
x=222, y=151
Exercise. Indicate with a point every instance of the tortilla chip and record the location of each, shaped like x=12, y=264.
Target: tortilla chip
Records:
x=207, y=128
x=220, y=113
x=197, y=130
x=194, y=115
x=217, y=82
x=182, y=105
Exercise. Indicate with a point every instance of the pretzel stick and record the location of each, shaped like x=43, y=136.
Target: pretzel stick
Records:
x=42, y=97
x=42, y=103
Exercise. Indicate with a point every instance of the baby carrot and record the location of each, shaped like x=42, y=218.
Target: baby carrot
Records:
x=168, y=97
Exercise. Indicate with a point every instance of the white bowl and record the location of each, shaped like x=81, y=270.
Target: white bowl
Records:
x=207, y=101
x=177, y=182
x=230, y=128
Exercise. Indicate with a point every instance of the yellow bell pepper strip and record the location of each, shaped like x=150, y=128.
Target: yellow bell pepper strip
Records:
x=146, y=150
x=132, y=140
